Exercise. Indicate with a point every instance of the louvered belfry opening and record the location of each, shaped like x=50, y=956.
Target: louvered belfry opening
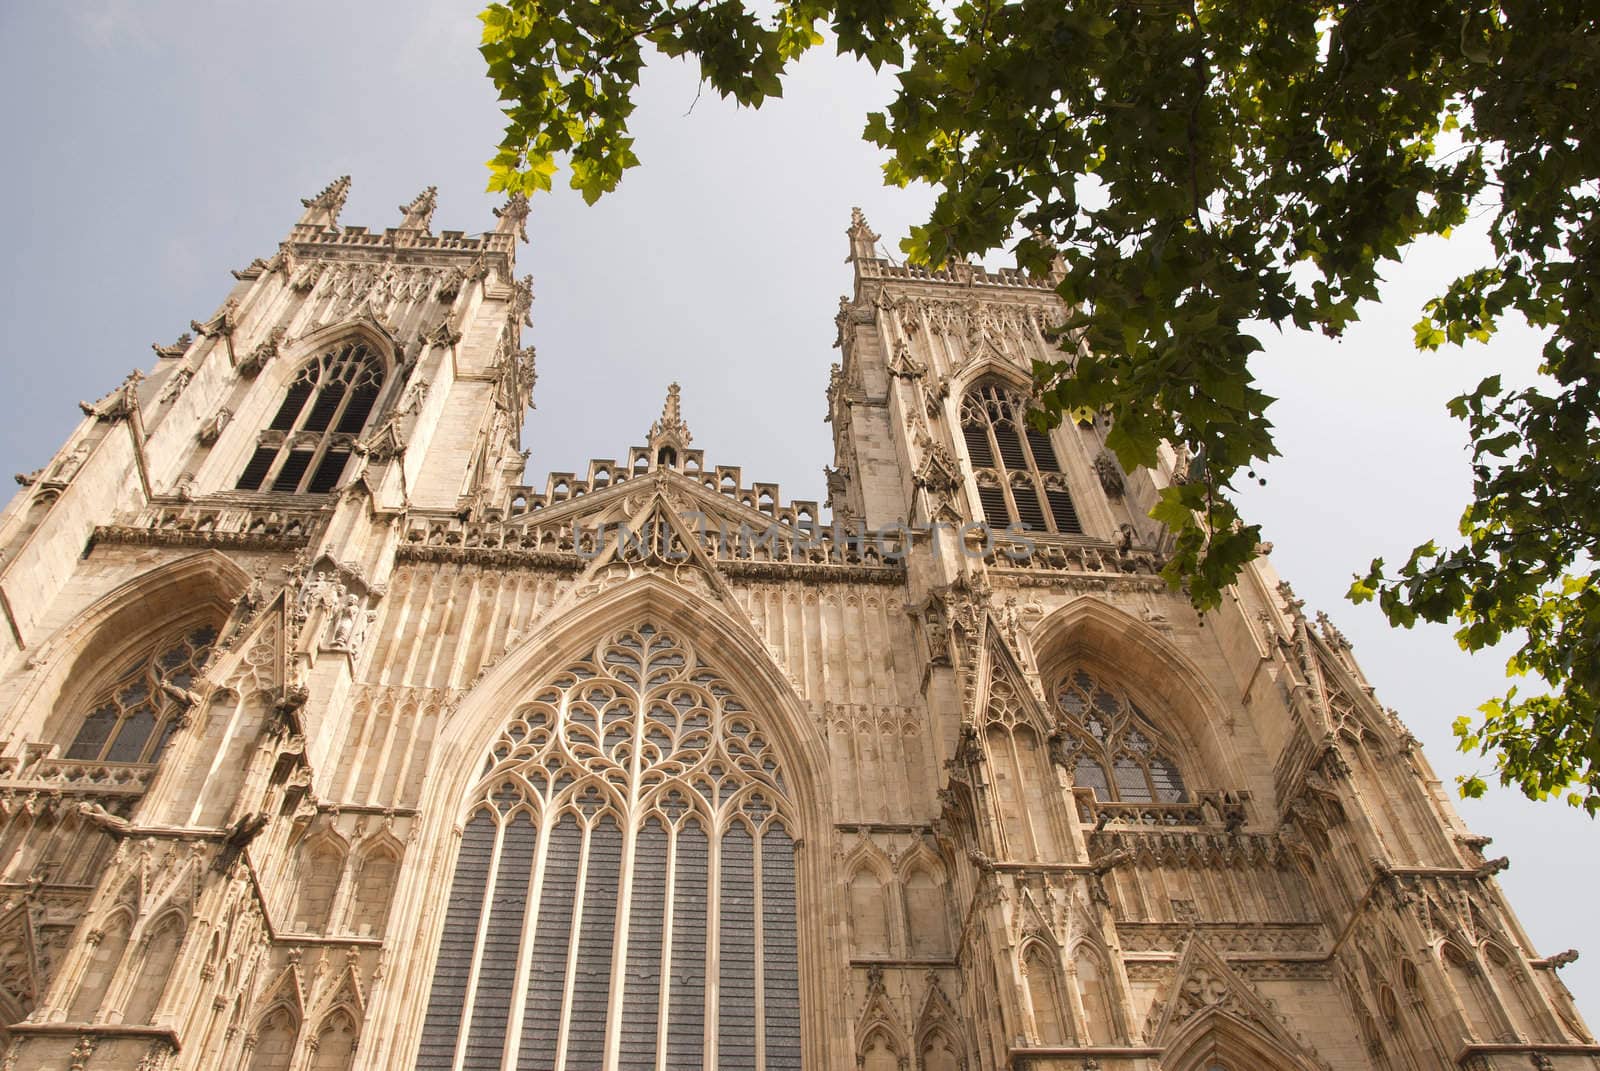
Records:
x=1019, y=477
x=308, y=442
x=628, y=846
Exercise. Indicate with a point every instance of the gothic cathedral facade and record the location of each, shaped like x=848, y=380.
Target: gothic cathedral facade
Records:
x=328, y=744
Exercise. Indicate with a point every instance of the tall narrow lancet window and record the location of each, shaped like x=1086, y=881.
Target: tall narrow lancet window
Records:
x=1019, y=478
x=1116, y=749
x=624, y=890
x=132, y=718
x=327, y=405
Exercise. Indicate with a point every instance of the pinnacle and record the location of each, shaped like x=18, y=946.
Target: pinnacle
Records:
x=863, y=242
x=323, y=209
x=333, y=194
x=419, y=213
x=671, y=424
x=513, y=216
x=859, y=225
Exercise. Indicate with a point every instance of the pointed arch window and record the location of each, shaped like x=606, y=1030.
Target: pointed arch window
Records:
x=1019, y=478
x=1115, y=748
x=132, y=719
x=624, y=891
x=307, y=444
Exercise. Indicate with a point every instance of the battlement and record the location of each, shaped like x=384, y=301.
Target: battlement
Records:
x=393, y=238
x=524, y=499
x=667, y=450
x=959, y=273
x=319, y=228
x=570, y=543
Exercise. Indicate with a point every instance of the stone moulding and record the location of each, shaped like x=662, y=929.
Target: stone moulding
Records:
x=135, y=536
x=1258, y=938
x=220, y=526
x=557, y=561
x=76, y=777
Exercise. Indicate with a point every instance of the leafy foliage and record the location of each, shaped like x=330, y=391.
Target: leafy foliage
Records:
x=1203, y=169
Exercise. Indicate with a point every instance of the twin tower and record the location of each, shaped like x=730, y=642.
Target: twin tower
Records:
x=327, y=744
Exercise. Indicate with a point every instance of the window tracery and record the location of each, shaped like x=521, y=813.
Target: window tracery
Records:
x=1019, y=478
x=132, y=719
x=1114, y=747
x=325, y=408
x=628, y=863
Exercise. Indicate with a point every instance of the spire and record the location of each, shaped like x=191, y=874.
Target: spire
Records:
x=323, y=209
x=419, y=213
x=513, y=216
x=670, y=430
x=863, y=243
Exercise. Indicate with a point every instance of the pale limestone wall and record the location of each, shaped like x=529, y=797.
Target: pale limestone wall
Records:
x=271, y=894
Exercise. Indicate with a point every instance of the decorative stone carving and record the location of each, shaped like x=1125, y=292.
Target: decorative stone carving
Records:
x=264, y=351
x=1110, y=473
x=348, y=628
x=211, y=430
x=119, y=403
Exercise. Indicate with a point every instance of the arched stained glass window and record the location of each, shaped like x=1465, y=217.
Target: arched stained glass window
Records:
x=1019, y=479
x=1117, y=750
x=624, y=893
x=132, y=719
x=307, y=444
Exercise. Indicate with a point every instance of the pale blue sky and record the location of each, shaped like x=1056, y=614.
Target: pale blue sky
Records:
x=154, y=146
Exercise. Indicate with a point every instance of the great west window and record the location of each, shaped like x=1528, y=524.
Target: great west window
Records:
x=624, y=891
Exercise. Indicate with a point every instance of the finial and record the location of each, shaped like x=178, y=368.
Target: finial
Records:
x=419, y=213
x=670, y=427
x=863, y=243
x=513, y=216
x=323, y=209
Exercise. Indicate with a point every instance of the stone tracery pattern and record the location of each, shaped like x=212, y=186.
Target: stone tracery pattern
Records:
x=1117, y=750
x=133, y=719
x=1019, y=477
x=309, y=440
x=631, y=821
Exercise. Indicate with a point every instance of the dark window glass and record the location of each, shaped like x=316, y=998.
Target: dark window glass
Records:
x=646, y=921
x=256, y=470
x=557, y=926
x=780, y=956
x=135, y=718
x=736, y=988
x=491, y=1004
x=591, y=989
x=547, y=976
x=1010, y=447
x=345, y=384
x=1044, y=454
x=293, y=402
x=1090, y=774
x=294, y=467
x=1131, y=784
x=1062, y=512
x=442, y=1024
x=1120, y=753
x=359, y=408
x=1029, y=512
x=978, y=446
x=995, y=513
x=328, y=473
x=327, y=404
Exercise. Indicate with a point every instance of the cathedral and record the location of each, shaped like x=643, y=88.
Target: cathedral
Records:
x=328, y=743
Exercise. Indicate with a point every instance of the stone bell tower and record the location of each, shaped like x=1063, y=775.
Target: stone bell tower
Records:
x=189, y=586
